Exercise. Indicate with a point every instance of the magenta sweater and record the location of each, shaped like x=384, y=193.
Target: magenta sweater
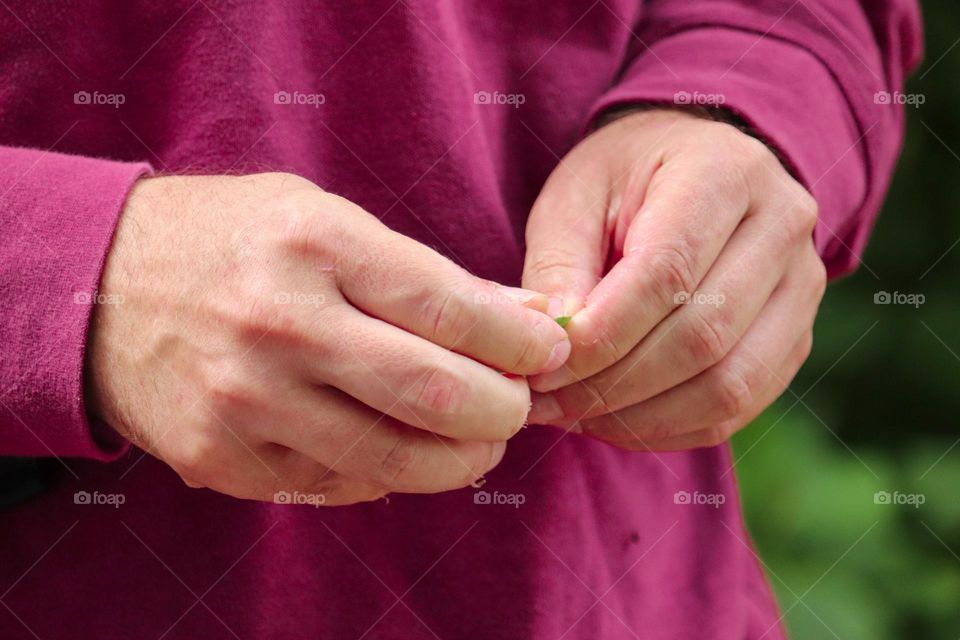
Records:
x=444, y=117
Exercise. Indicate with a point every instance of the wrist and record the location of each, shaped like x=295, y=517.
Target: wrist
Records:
x=712, y=113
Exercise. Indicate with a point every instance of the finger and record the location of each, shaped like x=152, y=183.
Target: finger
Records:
x=361, y=444
x=721, y=432
x=266, y=472
x=415, y=381
x=407, y=284
x=696, y=335
x=727, y=396
x=689, y=212
x=566, y=239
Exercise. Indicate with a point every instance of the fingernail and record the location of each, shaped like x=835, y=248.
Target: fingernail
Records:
x=550, y=381
x=558, y=355
x=555, y=306
x=545, y=409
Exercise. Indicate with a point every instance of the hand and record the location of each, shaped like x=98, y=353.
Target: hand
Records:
x=685, y=250
x=270, y=336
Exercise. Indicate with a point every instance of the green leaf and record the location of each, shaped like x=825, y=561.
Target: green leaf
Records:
x=563, y=321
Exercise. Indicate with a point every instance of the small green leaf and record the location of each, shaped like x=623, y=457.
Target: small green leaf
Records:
x=563, y=321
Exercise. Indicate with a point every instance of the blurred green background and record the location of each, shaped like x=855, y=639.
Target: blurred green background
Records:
x=876, y=409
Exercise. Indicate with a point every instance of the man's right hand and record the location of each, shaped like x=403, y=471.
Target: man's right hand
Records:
x=261, y=335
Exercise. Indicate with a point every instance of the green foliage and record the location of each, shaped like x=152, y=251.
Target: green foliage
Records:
x=878, y=411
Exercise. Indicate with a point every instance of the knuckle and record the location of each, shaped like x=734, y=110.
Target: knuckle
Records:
x=259, y=316
x=802, y=217
x=808, y=203
x=397, y=462
x=194, y=459
x=550, y=262
x=732, y=393
x=818, y=276
x=448, y=317
x=229, y=392
x=606, y=349
x=596, y=349
x=297, y=224
x=752, y=148
x=305, y=221
x=283, y=180
x=529, y=352
x=439, y=393
x=738, y=152
x=672, y=268
x=707, y=339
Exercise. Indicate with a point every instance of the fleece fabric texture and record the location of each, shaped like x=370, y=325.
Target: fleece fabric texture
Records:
x=444, y=119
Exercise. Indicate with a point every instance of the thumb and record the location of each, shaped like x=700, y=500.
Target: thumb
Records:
x=566, y=241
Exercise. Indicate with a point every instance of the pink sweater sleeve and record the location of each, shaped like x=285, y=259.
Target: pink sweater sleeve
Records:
x=57, y=214
x=813, y=78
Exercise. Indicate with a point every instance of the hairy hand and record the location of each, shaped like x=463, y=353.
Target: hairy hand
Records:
x=683, y=248
x=275, y=337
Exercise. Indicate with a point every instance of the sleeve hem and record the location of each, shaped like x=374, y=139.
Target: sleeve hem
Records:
x=815, y=131
x=60, y=212
x=108, y=444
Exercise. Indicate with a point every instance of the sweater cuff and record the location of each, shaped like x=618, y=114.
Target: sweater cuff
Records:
x=59, y=213
x=794, y=104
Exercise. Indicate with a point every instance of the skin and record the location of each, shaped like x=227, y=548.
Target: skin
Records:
x=275, y=337
x=655, y=209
